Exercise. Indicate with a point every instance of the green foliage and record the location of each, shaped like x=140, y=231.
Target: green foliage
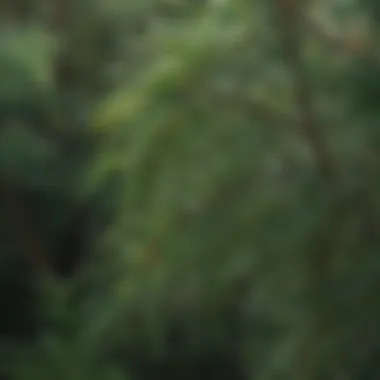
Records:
x=197, y=140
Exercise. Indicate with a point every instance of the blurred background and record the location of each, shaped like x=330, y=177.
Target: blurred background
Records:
x=189, y=189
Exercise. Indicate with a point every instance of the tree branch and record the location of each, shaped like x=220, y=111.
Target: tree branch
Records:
x=290, y=20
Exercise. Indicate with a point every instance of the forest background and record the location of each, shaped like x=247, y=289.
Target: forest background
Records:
x=189, y=189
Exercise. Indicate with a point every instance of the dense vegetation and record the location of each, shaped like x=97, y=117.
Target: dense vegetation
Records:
x=189, y=190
